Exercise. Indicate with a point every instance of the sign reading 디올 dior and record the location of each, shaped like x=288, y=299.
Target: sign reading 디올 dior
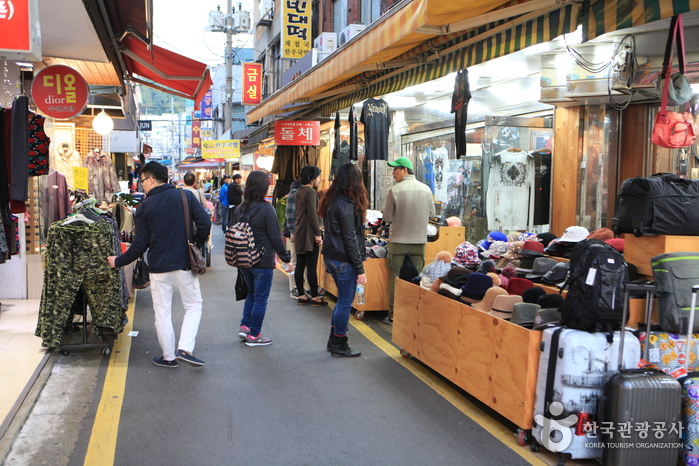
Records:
x=145, y=125
x=252, y=83
x=59, y=91
x=297, y=133
x=20, y=32
x=296, y=28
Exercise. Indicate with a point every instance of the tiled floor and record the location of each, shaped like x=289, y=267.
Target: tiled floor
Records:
x=20, y=351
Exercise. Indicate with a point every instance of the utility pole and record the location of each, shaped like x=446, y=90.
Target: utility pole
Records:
x=228, y=122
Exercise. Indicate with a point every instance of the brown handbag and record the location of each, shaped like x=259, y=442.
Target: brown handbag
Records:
x=196, y=260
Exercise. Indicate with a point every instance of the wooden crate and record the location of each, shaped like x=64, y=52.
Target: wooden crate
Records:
x=375, y=290
x=639, y=251
x=492, y=359
x=449, y=239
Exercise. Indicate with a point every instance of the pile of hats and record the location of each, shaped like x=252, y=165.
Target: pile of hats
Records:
x=377, y=248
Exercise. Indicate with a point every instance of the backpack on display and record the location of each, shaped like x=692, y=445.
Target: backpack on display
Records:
x=240, y=248
x=674, y=274
x=595, y=299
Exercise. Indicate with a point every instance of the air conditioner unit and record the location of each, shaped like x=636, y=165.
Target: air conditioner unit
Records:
x=349, y=32
x=266, y=13
x=326, y=42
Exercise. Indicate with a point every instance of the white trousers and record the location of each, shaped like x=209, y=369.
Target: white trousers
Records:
x=161, y=288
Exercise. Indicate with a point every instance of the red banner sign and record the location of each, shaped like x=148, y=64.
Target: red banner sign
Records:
x=59, y=92
x=196, y=134
x=297, y=133
x=252, y=83
x=14, y=25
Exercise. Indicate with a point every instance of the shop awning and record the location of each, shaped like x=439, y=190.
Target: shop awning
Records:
x=409, y=25
x=177, y=74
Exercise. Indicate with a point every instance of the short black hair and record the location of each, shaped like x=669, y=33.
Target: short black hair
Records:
x=308, y=173
x=236, y=176
x=189, y=179
x=157, y=170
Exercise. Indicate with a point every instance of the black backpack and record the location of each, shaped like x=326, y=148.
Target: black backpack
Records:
x=234, y=194
x=595, y=299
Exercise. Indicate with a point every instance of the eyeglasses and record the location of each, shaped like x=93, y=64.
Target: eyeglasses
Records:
x=146, y=178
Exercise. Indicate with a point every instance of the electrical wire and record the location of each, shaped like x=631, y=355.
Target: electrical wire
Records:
x=586, y=64
x=624, y=76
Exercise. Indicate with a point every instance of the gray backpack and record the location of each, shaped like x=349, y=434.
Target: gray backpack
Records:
x=675, y=273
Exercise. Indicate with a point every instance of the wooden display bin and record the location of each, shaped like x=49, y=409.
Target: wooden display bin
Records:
x=492, y=359
x=639, y=251
x=449, y=239
x=375, y=290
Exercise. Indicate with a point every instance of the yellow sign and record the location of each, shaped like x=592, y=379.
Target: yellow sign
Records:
x=206, y=133
x=80, y=178
x=296, y=28
x=220, y=149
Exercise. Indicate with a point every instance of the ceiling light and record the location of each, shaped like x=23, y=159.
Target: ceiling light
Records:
x=103, y=124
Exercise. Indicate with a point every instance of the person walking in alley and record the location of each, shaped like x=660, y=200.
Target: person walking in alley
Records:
x=409, y=207
x=307, y=235
x=189, y=180
x=265, y=228
x=343, y=209
x=235, y=196
x=161, y=230
x=223, y=199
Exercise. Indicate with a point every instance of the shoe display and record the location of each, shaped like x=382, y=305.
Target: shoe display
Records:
x=259, y=340
x=186, y=356
x=388, y=320
x=162, y=362
x=244, y=332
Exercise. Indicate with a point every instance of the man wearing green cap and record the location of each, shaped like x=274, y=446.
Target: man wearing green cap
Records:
x=409, y=207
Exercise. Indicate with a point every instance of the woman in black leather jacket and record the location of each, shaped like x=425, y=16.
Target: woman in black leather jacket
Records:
x=344, y=209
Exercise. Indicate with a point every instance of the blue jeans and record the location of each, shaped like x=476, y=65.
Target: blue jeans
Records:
x=259, y=283
x=346, y=281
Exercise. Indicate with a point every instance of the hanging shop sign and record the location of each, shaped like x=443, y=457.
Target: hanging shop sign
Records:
x=145, y=125
x=20, y=31
x=80, y=180
x=220, y=149
x=252, y=83
x=196, y=134
x=59, y=91
x=296, y=30
x=297, y=133
x=206, y=106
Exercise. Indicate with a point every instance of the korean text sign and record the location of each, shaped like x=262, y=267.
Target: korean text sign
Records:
x=196, y=134
x=220, y=149
x=252, y=83
x=20, y=30
x=59, y=92
x=297, y=133
x=296, y=28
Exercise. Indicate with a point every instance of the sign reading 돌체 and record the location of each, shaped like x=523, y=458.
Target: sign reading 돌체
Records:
x=252, y=83
x=296, y=28
x=297, y=133
x=59, y=92
x=20, y=30
x=220, y=149
x=80, y=178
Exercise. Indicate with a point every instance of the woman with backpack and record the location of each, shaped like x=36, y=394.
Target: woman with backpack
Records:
x=262, y=218
x=343, y=209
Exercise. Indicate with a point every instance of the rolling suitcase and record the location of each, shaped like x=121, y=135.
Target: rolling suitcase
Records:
x=572, y=366
x=639, y=421
x=690, y=398
x=663, y=204
x=674, y=274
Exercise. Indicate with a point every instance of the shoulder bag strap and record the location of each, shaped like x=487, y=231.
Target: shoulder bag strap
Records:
x=187, y=221
x=676, y=33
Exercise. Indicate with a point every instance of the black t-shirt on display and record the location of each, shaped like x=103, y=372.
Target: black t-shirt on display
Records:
x=376, y=117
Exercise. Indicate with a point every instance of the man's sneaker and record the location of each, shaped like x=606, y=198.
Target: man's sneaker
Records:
x=162, y=362
x=321, y=292
x=186, y=356
x=294, y=294
x=259, y=340
x=388, y=320
x=244, y=332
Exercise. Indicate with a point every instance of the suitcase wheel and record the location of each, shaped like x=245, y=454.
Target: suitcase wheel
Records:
x=534, y=447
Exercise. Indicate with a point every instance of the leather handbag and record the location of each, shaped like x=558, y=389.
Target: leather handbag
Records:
x=141, y=277
x=671, y=129
x=196, y=260
x=679, y=91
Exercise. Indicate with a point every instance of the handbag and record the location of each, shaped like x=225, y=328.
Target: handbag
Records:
x=241, y=287
x=141, y=276
x=671, y=129
x=679, y=91
x=196, y=260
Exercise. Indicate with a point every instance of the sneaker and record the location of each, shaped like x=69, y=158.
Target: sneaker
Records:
x=244, y=332
x=186, y=356
x=162, y=362
x=259, y=340
x=321, y=292
x=388, y=320
x=294, y=294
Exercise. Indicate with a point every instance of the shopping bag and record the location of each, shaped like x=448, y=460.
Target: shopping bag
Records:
x=241, y=288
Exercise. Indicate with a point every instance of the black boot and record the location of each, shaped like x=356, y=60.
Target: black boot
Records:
x=341, y=348
x=331, y=339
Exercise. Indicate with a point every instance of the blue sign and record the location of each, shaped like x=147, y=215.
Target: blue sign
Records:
x=206, y=106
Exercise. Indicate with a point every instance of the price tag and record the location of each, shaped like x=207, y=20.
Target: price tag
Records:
x=80, y=178
x=591, y=274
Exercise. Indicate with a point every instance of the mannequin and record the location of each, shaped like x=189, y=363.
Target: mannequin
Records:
x=64, y=159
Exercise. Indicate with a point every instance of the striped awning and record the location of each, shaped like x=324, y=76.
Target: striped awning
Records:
x=488, y=42
x=604, y=16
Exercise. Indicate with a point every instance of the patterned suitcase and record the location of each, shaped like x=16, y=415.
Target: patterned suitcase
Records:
x=639, y=418
x=690, y=398
x=666, y=351
x=572, y=366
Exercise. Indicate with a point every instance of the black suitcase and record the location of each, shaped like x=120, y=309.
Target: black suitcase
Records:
x=636, y=404
x=663, y=204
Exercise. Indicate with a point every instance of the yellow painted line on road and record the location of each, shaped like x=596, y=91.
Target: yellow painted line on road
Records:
x=495, y=428
x=102, y=446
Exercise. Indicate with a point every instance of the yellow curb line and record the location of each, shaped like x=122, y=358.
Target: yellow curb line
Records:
x=102, y=447
x=495, y=428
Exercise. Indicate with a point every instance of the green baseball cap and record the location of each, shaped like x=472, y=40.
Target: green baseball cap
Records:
x=401, y=162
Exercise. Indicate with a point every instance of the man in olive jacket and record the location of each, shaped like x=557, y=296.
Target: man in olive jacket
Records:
x=409, y=207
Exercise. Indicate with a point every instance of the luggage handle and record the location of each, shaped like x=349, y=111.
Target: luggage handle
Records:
x=690, y=328
x=650, y=290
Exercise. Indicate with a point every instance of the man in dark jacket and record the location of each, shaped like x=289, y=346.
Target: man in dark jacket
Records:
x=235, y=197
x=161, y=230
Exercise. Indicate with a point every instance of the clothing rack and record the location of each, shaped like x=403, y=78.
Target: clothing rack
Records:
x=65, y=349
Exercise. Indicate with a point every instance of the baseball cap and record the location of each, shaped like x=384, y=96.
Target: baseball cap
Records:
x=574, y=234
x=401, y=162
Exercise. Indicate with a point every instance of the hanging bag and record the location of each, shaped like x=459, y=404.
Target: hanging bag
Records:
x=671, y=129
x=196, y=260
x=141, y=277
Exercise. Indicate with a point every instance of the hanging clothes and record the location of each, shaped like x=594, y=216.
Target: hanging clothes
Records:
x=354, y=134
x=64, y=158
x=19, y=147
x=459, y=106
x=5, y=165
x=510, y=199
x=102, y=177
x=39, y=144
x=376, y=116
x=56, y=198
